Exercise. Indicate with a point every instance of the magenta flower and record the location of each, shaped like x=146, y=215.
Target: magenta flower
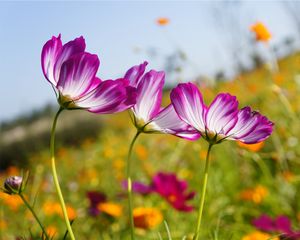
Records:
x=281, y=225
x=148, y=116
x=72, y=73
x=95, y=198
x=222, y=119
x=168, y=186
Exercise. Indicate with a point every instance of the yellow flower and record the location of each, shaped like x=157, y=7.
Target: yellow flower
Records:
x=255, y=195
x=12, y=201
x=259, y=236
x=261, y=32
x=163, y=21
x=146, y=217
x=255, y=147
x=112, y=209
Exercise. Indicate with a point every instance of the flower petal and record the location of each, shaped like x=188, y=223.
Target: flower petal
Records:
x=149, y=97
x=251, y=127
x=77, y=75
x=221, y=115
x=50, y=53
x=188, y=103
x=109, y=97
x=167, y=121
x=68, y=50
x=135, y=73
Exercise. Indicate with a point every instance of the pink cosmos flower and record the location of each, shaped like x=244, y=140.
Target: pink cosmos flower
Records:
x=148, y=115
x=168, y=186
x=280, y=224
x=72, y=73
x=222, y=119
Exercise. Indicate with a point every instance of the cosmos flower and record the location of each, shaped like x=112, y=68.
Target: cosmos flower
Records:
x=148, y=115
x=72, y=73
x=281, y=225
x=168, y=186
x=13, y=185
x=257, y=235
x=110, y=208
x=146, y=217
x=256, y=195
x=255, y=147
x=261, y=32
x=222, y=119
x=95, y=198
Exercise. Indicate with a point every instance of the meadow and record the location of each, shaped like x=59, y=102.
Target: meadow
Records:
x=253, y=190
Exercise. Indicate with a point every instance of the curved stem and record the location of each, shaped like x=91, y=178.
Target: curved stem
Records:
x=55, y=178
x=204, y=186
x=129, y=184
x=34, y=214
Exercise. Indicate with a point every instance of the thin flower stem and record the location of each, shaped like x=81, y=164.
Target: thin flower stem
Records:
x=55, y=178
x=34, y=214
x=129, y=184
x=204, y=185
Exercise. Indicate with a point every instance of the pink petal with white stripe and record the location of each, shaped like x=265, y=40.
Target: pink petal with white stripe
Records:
x=167, y=121
x=222, y=114
x=50, y=53
x=77, y=75
x=188, y=103
x=135, y=74
x=149, y=97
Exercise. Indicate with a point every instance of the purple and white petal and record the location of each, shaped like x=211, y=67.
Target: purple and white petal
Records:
x=188, y=103
x=134, y=74
x=262, y=130
x=106, y=98
x=167, y=121
x=77, y=75
x=222, y=114
x=50, y=53
x=69, y=49
x=149, y=97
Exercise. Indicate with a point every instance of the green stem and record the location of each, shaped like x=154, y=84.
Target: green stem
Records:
x=34, y=214
x=129, y=184
x=204, y=186
x=55, y=178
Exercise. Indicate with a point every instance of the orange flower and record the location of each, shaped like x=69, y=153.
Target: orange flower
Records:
x=261, y=32
x=12, y=201
x=54, y=208
x=163, y=21
x=288, y=176
x=141, y=151
x=112, y=209
x=146, y=217
x=252, y=147
x=51, y=230
x=257, y=235
x=3, y=225
x=255, y=195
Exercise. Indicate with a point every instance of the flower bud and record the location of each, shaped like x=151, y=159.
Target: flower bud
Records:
x=13, y=185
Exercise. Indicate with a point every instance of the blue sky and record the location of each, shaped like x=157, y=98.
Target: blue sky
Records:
x=114, y=31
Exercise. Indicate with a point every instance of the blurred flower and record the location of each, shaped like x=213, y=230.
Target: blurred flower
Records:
x=51, y=208
x=3, y=224
x=280, y=225
x=162, y=21
x=14, y=185
x=112, y=209
x=173, y=190
x=12, y=201
x=168, y=186
x=141, y=151
x=254, y=147
x=259, y=236
x=148, y=115
x=72, y=73
x=222, y=119
x=261, y=32
x=51, y=230
x=255, y=195
x=95, y=199
x=288, y=176
x=146, y=217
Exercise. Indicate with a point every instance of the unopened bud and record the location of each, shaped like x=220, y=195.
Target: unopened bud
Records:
x=13, y=185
